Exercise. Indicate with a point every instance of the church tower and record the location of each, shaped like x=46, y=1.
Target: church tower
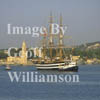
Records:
x=24, y=53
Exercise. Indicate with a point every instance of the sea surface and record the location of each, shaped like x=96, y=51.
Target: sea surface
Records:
x=87, y=89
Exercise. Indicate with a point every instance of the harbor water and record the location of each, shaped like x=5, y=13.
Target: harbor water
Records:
x=87, y=89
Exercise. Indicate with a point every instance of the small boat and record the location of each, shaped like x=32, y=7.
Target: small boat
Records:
x=8, y=67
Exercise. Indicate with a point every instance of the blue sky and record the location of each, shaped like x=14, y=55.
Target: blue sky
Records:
x=81, y=16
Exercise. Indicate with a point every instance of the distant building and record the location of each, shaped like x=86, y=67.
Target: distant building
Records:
x=19, y=60
x=75, y=58
x=95, y=46
x=89, y=61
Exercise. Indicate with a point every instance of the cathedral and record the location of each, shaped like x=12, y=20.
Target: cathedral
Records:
x=19, y=60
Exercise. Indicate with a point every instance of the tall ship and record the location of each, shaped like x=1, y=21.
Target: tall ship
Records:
x=53, y=56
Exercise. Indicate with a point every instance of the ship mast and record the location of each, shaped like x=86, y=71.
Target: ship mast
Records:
x=50, y=35
x=61, y=39
x=44, y=43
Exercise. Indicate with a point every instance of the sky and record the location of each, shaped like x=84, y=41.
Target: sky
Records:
x=81, y=16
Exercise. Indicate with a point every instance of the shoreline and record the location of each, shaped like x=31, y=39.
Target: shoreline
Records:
x=33, y=64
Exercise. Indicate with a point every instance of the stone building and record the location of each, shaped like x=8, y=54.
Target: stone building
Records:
x=19, y=60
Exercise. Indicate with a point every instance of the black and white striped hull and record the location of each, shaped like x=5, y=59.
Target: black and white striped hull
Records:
x=48, y=66
x=56, y=66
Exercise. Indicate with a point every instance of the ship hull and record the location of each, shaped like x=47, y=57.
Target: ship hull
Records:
x=50, y=66
x=73, y=68
x=57, y=66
